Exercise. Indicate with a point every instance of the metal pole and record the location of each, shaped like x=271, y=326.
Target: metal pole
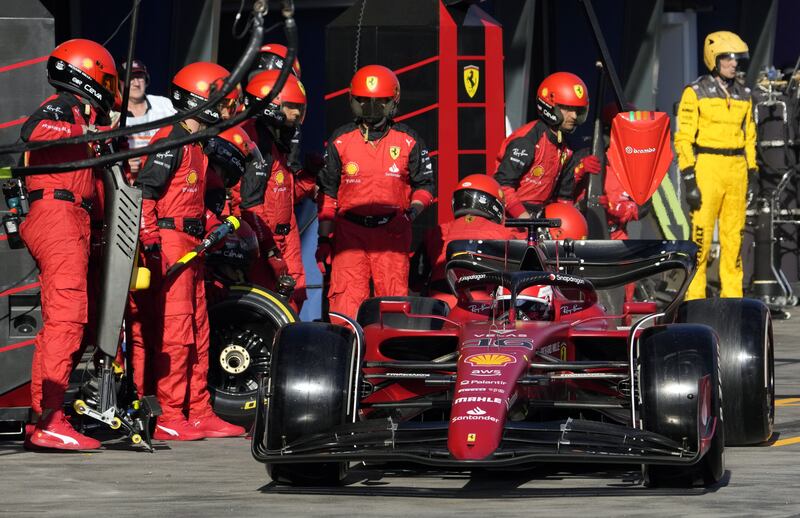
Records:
x=605, y=56
x=126, y=92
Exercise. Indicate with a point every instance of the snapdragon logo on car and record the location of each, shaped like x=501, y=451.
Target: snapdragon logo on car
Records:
x=630, y=150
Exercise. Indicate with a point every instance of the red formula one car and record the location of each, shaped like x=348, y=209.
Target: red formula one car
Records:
x=527, y=368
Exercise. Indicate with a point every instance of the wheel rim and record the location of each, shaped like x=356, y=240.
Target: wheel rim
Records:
x=239, y=335
x=231, y=369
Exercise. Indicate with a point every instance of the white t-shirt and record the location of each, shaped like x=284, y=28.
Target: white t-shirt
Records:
x=158, y=107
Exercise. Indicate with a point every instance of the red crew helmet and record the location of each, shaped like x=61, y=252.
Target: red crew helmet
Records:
x=272, y=56
x=573, y=224
x=561, y=89
x=480, y=195
x=293, y=92
x=374, y=94
x=87, y=69
x=229, y=152
x=192, y=86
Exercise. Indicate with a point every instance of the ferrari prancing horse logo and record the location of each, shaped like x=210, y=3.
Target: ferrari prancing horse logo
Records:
x=472, y=78
x=578, y=91
x=394, y=152
x=372, y=83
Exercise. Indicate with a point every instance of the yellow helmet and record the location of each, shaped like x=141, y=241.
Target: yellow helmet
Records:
x=720, y=43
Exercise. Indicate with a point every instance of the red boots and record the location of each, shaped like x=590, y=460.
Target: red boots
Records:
x=176, y=430
x=213, y=426
x=196, y=428
x=55, y=432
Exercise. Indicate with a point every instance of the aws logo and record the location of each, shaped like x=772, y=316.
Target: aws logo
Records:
x=483, y=360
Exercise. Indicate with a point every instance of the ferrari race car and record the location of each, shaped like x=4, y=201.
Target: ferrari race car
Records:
x=527, y=368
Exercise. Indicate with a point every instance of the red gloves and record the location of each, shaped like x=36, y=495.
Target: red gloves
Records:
x=299, y=296
x=590, y=164
x=324, y=254
x=626, y=211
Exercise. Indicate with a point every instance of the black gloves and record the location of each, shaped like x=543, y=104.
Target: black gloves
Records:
x=692, y=192
x=752, y=184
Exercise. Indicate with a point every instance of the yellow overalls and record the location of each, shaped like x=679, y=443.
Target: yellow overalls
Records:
x=716, y=135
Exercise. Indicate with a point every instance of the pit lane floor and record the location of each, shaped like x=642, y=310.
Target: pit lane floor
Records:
x=218, y=477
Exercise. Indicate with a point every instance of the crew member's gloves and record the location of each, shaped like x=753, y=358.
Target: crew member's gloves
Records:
x=626, y=211
x=324, y=253
x=590, y=164
x=151, y=247
x=402, y=221
x=299, y=296
x=752, y=184
x=692, y=192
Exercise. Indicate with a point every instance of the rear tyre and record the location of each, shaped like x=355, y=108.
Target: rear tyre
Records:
x=243, y=326
x=311, y=379
x=747, y=366
x=679, y=385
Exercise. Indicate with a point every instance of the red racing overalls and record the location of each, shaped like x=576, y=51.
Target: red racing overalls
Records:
x=367, y=185
x=173, y=214
x=57, y=234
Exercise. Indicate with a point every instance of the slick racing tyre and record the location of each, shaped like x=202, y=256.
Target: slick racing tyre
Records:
x=679, y=386
x=243, y=326
x=747, y=366
x=312, y=382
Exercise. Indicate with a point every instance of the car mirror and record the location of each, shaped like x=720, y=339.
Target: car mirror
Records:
x=639, y=308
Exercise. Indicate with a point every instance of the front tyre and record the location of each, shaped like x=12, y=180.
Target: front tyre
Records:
x=679, y=396
x=311, y=382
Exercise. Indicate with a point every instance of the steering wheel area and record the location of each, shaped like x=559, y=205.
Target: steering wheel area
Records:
x=527, y=308
x=515, y=283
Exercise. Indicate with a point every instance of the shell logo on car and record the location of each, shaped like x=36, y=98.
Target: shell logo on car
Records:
x=490, y=359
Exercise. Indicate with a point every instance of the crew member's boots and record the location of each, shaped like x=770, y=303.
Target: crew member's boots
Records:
x=55, y=432
x=212, y=426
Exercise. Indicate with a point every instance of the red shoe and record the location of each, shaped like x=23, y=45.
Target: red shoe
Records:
x=176, y=430
x=213, y=426
x=55, y=432
x=29, y=429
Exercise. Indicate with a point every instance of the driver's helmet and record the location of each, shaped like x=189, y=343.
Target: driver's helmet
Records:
x=561, y=89
x=480, y=195
x=533, y=303
x=573, y=224
x=238, y=251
